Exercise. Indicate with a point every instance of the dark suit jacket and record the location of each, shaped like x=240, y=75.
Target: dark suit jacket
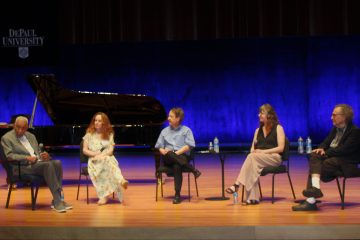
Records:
x=349, y=145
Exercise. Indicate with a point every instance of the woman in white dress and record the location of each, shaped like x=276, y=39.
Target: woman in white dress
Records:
x=103, y=167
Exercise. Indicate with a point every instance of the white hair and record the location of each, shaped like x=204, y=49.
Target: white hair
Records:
x=21, y=119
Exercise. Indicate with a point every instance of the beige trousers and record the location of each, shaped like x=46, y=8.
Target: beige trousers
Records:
x=251, y=170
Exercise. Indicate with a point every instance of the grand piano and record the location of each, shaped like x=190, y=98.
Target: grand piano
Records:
x=137, y=119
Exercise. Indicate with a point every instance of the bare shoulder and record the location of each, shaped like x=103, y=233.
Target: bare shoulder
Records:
x=279, y=128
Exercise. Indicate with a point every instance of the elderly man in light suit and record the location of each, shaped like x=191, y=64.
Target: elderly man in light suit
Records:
x=21, y=145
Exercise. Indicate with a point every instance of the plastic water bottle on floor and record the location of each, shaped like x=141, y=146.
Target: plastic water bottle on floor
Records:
x=235, y=198
x=300, y=145
x=308, y=145
x=61, y=195
x=211, y=147
x=216, y=145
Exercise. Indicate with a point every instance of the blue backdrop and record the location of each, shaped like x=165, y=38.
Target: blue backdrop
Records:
x=220, y=84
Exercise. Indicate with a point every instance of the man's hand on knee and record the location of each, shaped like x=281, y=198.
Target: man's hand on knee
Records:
x=319, y=151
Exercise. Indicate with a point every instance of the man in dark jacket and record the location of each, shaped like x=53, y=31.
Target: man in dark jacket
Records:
x=338, y=152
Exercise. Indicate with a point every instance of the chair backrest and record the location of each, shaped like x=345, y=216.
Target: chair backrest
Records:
x=192, y=154
x=2, y=154
x=4, y=162
x=83, y=157
x=286, y=153
x=12, y=169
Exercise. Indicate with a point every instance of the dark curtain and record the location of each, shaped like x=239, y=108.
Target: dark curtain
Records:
x=109, y=21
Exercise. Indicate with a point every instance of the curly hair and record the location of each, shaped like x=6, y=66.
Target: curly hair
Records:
x=107, y=129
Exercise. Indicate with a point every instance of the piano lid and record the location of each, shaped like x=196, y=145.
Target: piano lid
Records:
x=69, y=107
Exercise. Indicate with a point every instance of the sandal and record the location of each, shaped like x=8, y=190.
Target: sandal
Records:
x=125, y=184
x=234, y=188
x=102, y=201
x=250, y=202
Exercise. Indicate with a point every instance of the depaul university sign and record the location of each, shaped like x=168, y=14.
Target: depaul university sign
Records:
x=22, y=39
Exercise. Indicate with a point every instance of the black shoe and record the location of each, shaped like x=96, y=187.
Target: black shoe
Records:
x=305, y=206
x=197, y=173
x=229, y=190
x=177, y=200
x=313, y=192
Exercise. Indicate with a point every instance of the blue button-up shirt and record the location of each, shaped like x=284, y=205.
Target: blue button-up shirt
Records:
x=174, y=139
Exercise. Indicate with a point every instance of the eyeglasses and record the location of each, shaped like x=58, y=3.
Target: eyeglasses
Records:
x=335, y=114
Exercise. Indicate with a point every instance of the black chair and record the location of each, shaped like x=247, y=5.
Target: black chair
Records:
x=14, y=176
x=283, y=168
x=169, y=172
x=84, y=172
x=339, y=175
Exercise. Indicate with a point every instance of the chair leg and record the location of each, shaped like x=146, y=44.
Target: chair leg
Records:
x=242, y=193
x=161, y=184
x=273, y=189
x=8, y=197
x=36, y=192
x=340, y=191
x=343, y=195
x=157, y=187
x=292, y=188
x=78, y=188
x=261, y=197
x=189, y=186
x=87, y=190
x=32, y=198
x=196, y=186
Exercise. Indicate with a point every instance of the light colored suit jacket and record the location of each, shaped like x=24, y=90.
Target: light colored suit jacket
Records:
x=13, y=148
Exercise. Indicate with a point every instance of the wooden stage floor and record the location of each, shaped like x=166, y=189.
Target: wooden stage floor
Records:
x=141, y=217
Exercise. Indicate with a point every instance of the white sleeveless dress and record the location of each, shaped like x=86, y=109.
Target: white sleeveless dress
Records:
x=105, y=174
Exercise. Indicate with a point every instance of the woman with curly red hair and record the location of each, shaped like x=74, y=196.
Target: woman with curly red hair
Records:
x=103, y=167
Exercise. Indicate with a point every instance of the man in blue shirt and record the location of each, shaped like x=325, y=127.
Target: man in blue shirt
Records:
x=174, y=144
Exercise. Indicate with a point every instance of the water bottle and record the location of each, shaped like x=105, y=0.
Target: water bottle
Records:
x=235, y=197
x=211, y=148
x=308, y=145
x=41, y=150
x=61, y=195
x=216, y=145
x=300, y=145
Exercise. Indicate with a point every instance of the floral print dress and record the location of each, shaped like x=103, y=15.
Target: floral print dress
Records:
x=105, y=173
